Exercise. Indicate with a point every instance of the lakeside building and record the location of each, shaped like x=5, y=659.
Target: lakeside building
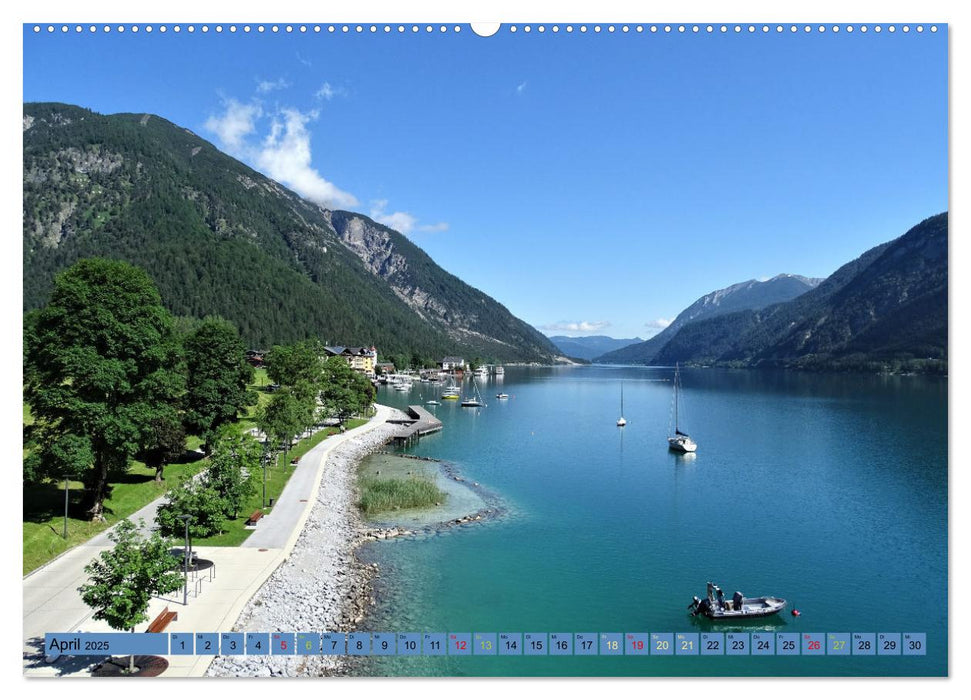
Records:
x=384, y=368
x=361, y=359
x=452, y=363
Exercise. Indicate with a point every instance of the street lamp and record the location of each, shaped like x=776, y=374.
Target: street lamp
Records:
x=185, y=559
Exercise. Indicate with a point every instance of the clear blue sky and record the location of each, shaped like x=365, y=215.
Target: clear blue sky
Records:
x=597, y=179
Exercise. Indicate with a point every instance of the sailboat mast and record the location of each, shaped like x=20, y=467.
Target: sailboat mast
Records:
x=621, y=399
x=676, y=378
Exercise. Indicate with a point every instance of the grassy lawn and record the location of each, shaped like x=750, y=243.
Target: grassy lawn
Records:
x=43, y=514
x=44, y=509
x=260, y=382
x=277, y=477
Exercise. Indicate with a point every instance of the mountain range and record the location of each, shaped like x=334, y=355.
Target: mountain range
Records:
x=885, y=310
x=221, y=239
x=590, y=346
x=753, y=294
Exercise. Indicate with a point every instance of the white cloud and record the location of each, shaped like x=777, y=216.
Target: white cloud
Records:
x=659, y=323
x=577, y=326
x=265, y=86
x=235, y=124
x=521, y=88
x=285, y=155
x=402, y=221
x=329, y=92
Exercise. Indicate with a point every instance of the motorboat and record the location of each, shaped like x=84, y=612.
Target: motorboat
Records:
x=502, y=396
x=716, y=607
x=451, y=392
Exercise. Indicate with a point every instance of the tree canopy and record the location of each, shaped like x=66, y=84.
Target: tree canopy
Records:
x=217, y=377
x=101, y=363
x=345, y=392
x=123, y=580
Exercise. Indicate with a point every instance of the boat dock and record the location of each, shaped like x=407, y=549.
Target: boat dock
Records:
x=419, y=422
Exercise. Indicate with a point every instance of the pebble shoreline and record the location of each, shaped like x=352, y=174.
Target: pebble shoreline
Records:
x=322, y=585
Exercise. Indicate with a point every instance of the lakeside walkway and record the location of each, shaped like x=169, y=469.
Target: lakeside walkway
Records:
x=53, y=604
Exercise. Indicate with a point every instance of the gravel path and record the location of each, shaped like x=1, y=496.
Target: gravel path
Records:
x=322, y=586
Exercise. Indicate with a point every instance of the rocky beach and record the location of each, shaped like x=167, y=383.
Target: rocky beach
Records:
x=322, y=585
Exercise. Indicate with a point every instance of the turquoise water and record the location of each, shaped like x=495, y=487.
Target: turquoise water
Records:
x=827, y=490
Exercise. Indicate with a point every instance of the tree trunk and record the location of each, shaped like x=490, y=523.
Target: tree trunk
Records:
x=131, y=659
x=158, y=473
x=95, y=492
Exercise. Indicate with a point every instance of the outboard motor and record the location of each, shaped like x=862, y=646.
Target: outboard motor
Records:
x=695, y=602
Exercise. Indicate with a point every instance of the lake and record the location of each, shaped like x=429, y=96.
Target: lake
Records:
x=827, y=490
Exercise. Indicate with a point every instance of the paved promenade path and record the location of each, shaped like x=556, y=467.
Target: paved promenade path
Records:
x=53, y=604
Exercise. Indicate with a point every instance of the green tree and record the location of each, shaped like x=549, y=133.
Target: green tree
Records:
x=123, y=579
x=217, y=378
x=285, y=416
x=101, y=362
x=416, y=361
x=345, y=391
x=401, y=362
x=195, y=497
x=233, y=465
x=165, y=444
x=297, y=366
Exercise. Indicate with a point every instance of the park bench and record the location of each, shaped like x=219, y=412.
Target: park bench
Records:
x=255, y=517
x=162, y=621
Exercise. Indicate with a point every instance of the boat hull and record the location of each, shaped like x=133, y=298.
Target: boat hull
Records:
x=751, y=607
x=681, y=444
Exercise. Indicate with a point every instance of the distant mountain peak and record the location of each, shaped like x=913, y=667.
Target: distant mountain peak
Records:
x=749, y=295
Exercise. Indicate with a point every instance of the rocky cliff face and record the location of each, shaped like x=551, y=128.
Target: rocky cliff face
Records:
x=465, y=314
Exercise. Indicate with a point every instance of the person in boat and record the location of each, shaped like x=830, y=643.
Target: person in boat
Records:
x=721, y=598
x=701, y=607
x=737, y=600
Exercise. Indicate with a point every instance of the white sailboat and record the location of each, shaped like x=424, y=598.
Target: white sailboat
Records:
x=621, y=422
x=474, y=401
x=680, y=441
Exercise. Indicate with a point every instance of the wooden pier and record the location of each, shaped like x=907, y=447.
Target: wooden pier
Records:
x=418, y=423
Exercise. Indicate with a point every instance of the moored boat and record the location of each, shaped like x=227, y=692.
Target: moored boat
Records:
x=475, y=400
x=621, y=422
x=680, y=441
x=451, y=392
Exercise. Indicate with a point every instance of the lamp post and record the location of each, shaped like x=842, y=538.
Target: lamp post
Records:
x=185, y=559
